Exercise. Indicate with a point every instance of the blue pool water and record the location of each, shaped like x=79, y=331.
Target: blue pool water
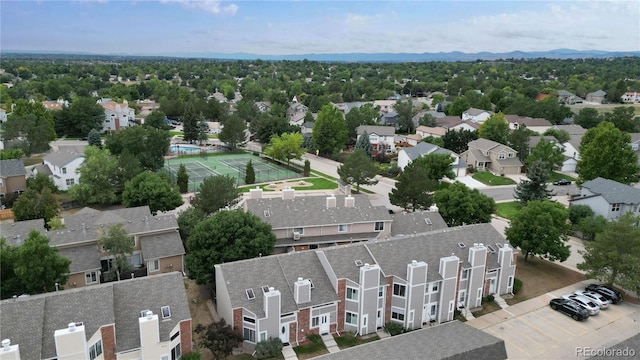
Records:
x=186, y=148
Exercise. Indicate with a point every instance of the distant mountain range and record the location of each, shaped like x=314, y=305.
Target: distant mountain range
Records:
x=376, y=57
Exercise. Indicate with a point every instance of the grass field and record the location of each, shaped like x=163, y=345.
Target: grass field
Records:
x=489, y=179
x=557, y=176
x=234, y=165
x=508, y=210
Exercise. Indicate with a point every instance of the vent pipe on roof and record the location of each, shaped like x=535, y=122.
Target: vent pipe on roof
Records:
x=149, y=315
x=72, y=327
x=5, y=344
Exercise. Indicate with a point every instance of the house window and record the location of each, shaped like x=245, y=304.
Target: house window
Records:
x=480, y=164
x=166, y=312
x=397, y=314
x=136, y=260
x=501, y=156
x=352, y=294
x=91, y=277
x=380, y=291
x=315, y=321
x=433, y=310
x=299, y=230
x=434, y=287
x=70, y=182
x=176, y=352
x=462, y=296
x=154, y=265
x=95, y=350
x=511, y=155
x=351, y=318
x=465, y=273
x=249, y=320
x=399, y=290
x=64, y=170
x=342, y=228
x=510, y=281
x=263, y=336
x=249, y=335
x=379, y=226
x=174, y=336
x=615, y=207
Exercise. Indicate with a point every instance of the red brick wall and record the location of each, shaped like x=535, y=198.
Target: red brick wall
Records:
x=292, y=333
x=108, y=335
x=342, y=295
x=515, y=259
x=387, y=300
x=237, y=320
x=185, y=336
x=303, y=323
x=486, y=287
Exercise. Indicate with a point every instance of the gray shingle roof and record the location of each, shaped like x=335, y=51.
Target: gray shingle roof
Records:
x=12, y=167
x=597, y=93
x=327, y=239
x=613, y=191
x=407, y=223
x=452, y=340
x=342, y=259
x=10, y=231
x=161, y=245
x=28, y=317
x=486, y=145
x=312, y=211
x=378, y=130
x=83, y=258
x=476, y=112
x=534, y=140
x=421, y=149
x=62, y=158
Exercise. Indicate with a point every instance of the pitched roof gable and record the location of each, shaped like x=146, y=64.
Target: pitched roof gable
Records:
x=613, y=191
x=12, y=167
x=378, y=130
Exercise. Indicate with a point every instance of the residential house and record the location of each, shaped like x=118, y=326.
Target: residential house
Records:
x=55, y=105
x=296, y=113
x=538, y=125
x=448, y=341
x=310, y=222
x=116, y=115
x=345, y=107
x=385, y=105
x=382, y=138
x=158, y=247
x=441, y=105
x=412, y=281
x=455, y=123
x=488, y=155
x=146, y=107
x=571, y=147
x=416, y=222
x=635, y=144
x=263, y=106
x=389, y=119
x=411, y=139
x=608, y=198
x=306, y=129
x=596, y=97
x=425, y=131
x=63, y=166
x=142, y=318
x=568, y=163
x=476, y=115
x=568, y=98
x=626, y=97
x=408, y=154
x=3, y=116
x=12, y=177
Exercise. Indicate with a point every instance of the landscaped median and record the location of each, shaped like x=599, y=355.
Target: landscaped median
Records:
x=310, y=183
x=489, y=179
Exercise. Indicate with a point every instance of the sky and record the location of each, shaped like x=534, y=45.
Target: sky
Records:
x=165, y=27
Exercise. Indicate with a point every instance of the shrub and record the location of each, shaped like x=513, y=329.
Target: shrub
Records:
x=517, y=285
x=268, y=348
x=393, y=328
x=472, y=170
x=307, y=168
x=315, y=338
x=488, y=298
x=194, y=355
x=579, y=212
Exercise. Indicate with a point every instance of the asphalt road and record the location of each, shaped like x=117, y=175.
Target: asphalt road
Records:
x=507, y=192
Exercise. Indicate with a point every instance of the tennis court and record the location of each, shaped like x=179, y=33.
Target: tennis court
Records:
x=234, y=165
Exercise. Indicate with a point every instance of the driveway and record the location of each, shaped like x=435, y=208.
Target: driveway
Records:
x=532, y=330
x=470, y=182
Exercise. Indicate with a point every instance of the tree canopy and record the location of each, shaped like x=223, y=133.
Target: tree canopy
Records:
x=31, y=125
x=495, y=128
x=358, y=169
x=152, y=189
x=541, y=228
x=414, y=189
x=226, y=236
x=117, y=243
x=364, y=143
x=535, y=188
x=286, y=147
x=329, y=131
x=219, y=338
x=34, y=204
x=606, y=152
x=98, y=175
x=146, y=143
x=460, y=205
x=546, y=152
x=215, y=193
x=233, y=132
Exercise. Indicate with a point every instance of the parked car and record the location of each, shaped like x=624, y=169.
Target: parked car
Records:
x=598, y=299
x=562, y=182
x=569, y=308
x=586, y=303
x=613, y=295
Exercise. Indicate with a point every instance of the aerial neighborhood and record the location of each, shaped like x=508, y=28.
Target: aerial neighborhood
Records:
x=160, y=208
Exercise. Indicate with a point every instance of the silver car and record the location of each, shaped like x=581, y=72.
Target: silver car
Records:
x=598, y=299
x=586, y=303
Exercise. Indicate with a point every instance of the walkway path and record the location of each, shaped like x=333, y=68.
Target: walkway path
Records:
x=330, y=343
x=288, y=353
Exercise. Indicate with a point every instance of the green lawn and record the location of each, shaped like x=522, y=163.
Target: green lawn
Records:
x=487, y=307
x=173, y=133
x=557, y=176
x=508, y=210
x=318, y=184
x=489, y=179
x=349, y=339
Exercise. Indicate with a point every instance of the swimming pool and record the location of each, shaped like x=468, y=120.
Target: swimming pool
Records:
x=186, y=148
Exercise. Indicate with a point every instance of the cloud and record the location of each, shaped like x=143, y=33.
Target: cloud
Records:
x=211, y=6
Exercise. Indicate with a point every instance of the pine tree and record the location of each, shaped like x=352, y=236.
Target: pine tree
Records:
x=250, y=174
x=307, y=168
x=182, y=179
x=364, y=143
x=190, y=123
x=536, y=187
x=94, y=138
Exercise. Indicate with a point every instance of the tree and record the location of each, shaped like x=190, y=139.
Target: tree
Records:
x=187, y=220
x=457, y=107
x=37, y=267
x=40, y=182
x=219, y=338
x=226, y=236
x=561, y=135
x=182, y=179
x=541, y=229
x=427, y=120
x=286, y=147
x=233, y=132
x=190, y=123
x=215, y=193
x=495, y=128
x=534, y=189
x=265, y=126
x=98, y=177
x=405, y=116
x=30, y=124
x=460, y=205
x=547, y=153
x=9, y=283
x=623, y=117
x=203, y=129
x=591, y=226
x=156, y=119
x=359, y=169
x=268, y=349
x=8, y=154
x=579, y=212
x=94, y=138
x=363, y=115
x=145, y=143
x=433, y=140
x=33, y=204
x=329, y=131
x=118, y=244
x=250, y=174
x=152, y=189
x=364, y=143
x=437, y=99
x=83, y=115
x=615, y=253
x=606, y=152
x=307, y=168
x=436, y=166
x=458, y=140
x=588, y=118
x=518, y=140
x=413, y=190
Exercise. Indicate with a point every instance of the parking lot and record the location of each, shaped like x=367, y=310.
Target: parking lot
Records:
x=532, y=330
